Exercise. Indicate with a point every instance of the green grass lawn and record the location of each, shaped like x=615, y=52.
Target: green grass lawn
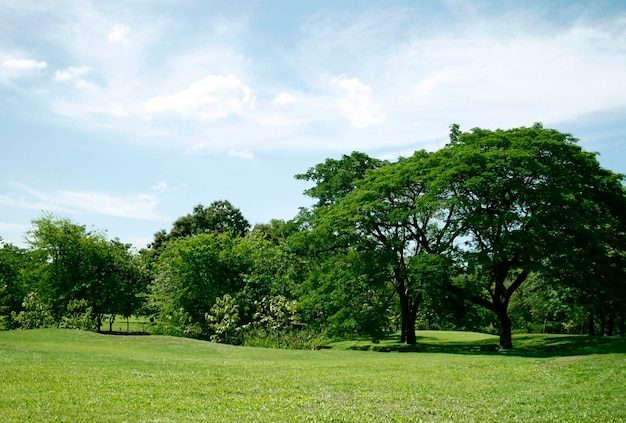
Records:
x=77, y=376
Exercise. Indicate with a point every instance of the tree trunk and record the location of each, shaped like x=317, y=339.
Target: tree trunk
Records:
x=602, y=323
x=506, y=336
x=408, y=332
x=610, y=325
x=408, y=315
x=592, y=325
x=622, y=324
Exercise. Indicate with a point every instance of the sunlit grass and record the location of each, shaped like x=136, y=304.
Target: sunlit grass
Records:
x=75, y=376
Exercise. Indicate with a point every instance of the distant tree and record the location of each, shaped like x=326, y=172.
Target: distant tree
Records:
x=80, y=265
x=219, y=217
x=13, y=286
x=61, y=244
x=190, y=275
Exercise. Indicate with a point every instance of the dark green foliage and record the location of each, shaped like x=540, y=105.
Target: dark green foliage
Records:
x=346, y=295
x=14, y=264
x=475, y=219
x=528, y=199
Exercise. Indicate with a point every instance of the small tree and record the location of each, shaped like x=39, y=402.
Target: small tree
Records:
x=223, y=319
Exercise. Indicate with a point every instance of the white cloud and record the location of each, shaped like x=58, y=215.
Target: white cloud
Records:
x=160, y=185
x=284, y=98
x=514, y=79
x=212, y=97
x=142, y=206
x=23, y=64
x=75, y=75
x=71, y=74
x=405, y=77
x=118, y=33
x=244, y=154
x=357, y=104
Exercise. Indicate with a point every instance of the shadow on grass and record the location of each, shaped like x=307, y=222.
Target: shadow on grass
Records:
x=123, y=333
x=566, y=345
x=531, y=345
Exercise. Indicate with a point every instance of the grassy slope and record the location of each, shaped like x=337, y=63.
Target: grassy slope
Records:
x=74, y=376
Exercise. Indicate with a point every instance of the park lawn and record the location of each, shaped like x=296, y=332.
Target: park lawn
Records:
x=76, y=376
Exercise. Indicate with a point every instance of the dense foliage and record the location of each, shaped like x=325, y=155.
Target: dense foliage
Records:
x=498, y=231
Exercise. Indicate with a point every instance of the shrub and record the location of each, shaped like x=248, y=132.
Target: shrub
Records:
x=80, y=316
x=36, y=314
x=287, y=338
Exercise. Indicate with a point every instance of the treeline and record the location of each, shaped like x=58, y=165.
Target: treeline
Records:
x=498, y=231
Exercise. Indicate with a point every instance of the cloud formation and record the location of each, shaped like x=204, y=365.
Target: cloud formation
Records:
x=213, y=97
x=23, y=64
x=391, y=70
x=75, y=76
x=284, y=98
x=141, y=206
x=357, y=104
x=118, y=33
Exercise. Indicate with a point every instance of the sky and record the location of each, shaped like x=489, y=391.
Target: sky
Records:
x=124, y=115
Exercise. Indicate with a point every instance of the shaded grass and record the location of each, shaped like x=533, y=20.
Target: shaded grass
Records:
x=75, y=376
x=526, y=345
x=427, y=341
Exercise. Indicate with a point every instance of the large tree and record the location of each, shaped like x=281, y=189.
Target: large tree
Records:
x=395, y=215
x=528, y=199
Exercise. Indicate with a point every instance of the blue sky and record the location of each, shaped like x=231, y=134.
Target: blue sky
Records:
x=123, y=115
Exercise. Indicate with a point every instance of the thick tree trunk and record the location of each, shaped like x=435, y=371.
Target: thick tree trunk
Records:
x=407, y=318
x=408, y=315
x=506, y=336
x=410, y=338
